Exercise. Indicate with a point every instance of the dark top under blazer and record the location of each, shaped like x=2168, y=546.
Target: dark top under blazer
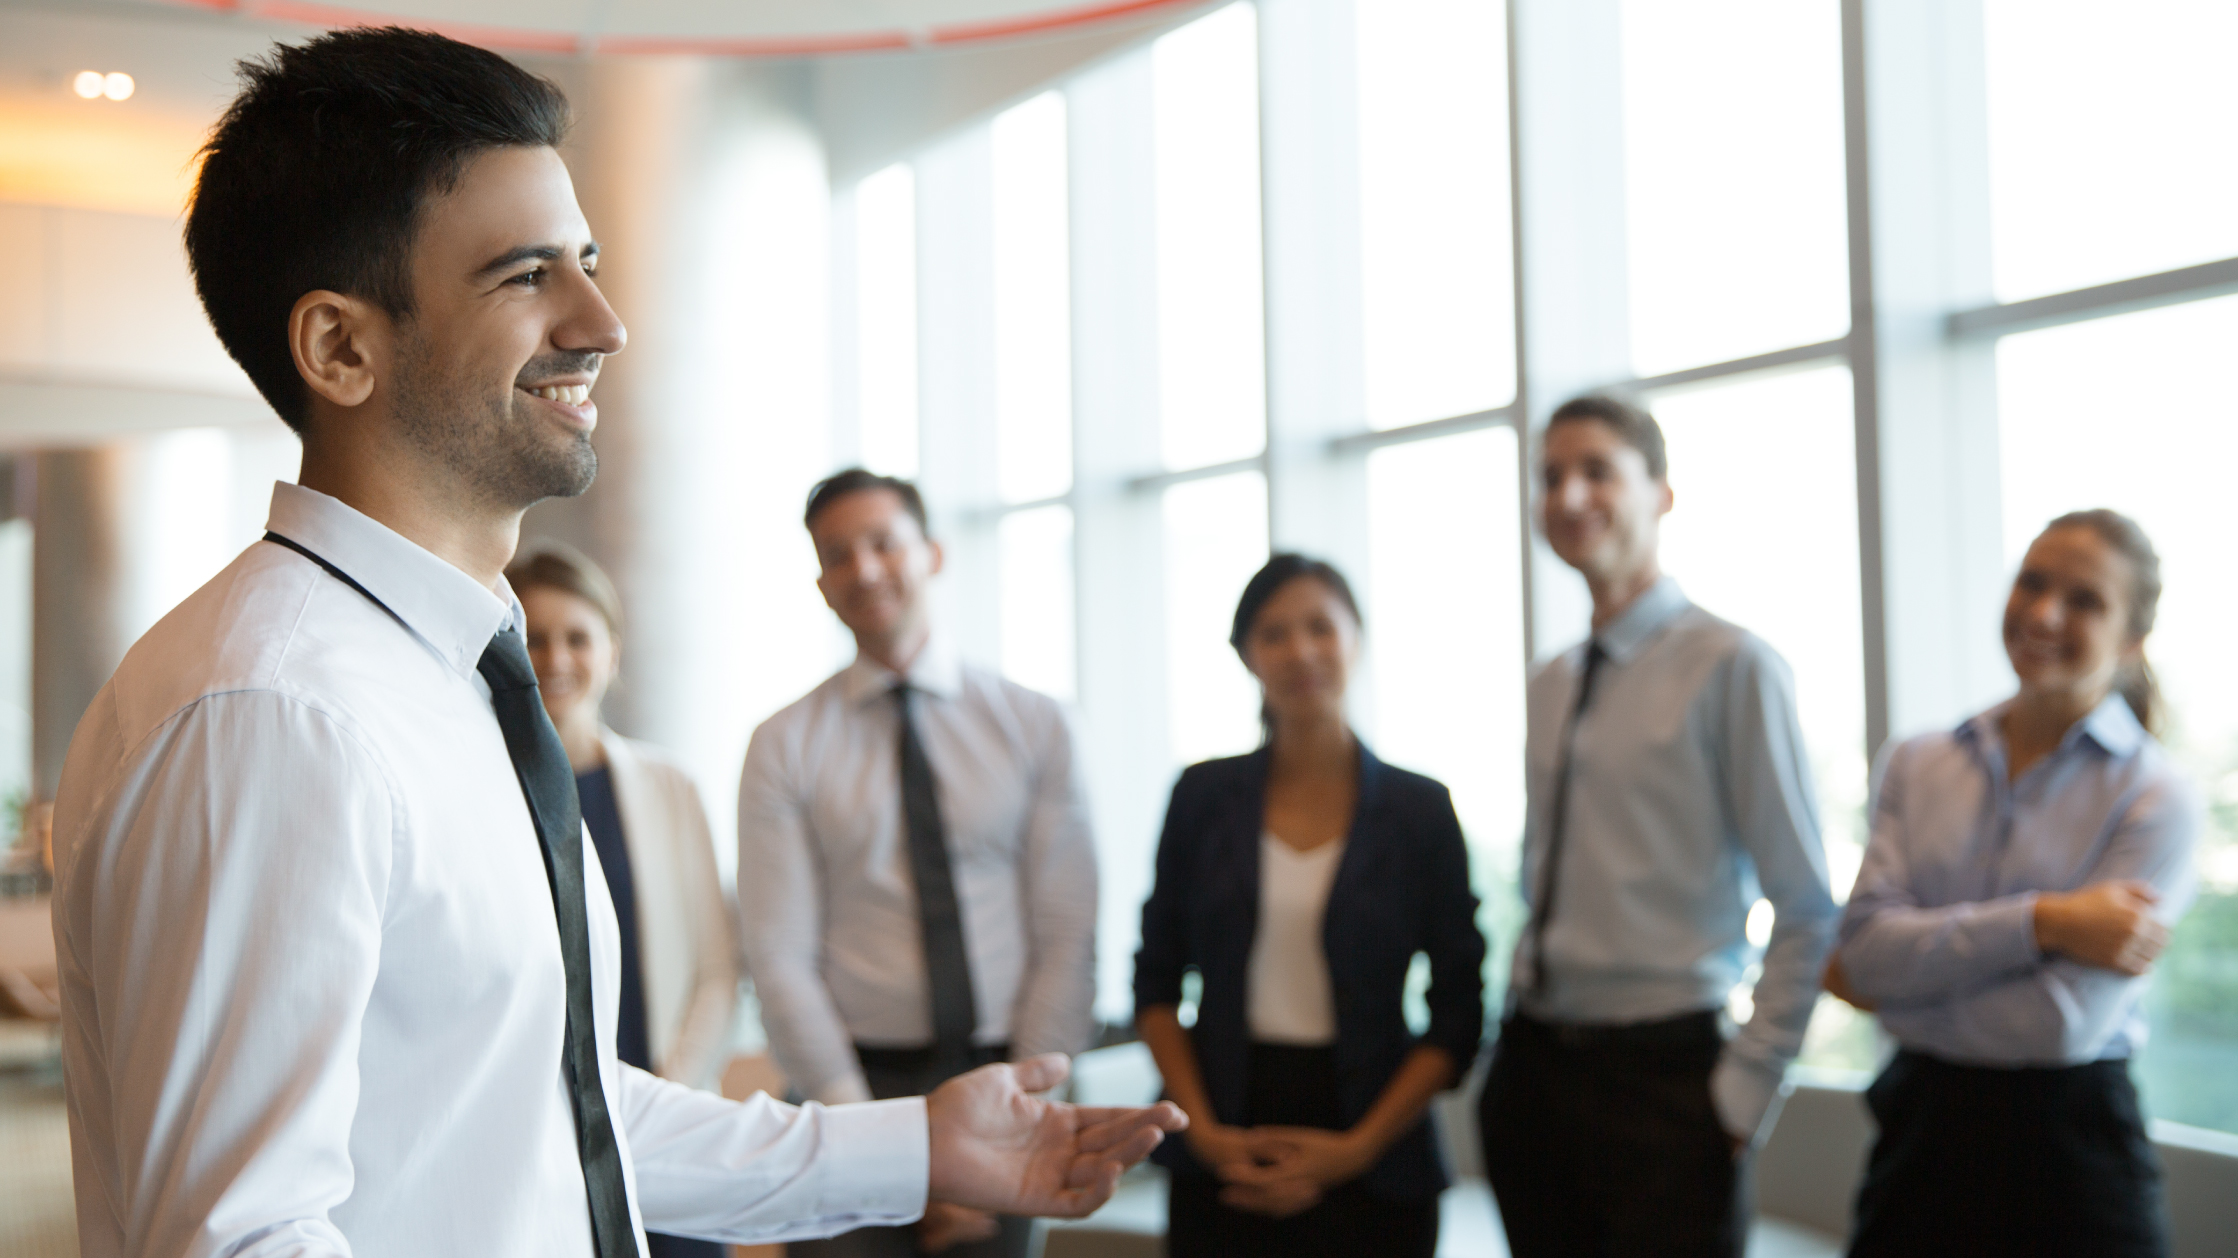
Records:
x=1401, y=887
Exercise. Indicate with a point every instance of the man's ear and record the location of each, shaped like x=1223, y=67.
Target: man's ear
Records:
x=1669, y=499
x=939, y=557
x=337, y=342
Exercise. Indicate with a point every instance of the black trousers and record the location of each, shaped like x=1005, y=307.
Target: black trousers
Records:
x=1602, y=1142
x=1984, y=1162
x=893, y=1072
x=1296, y=1087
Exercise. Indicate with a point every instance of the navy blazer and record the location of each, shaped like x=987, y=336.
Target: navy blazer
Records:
x=1401, y=887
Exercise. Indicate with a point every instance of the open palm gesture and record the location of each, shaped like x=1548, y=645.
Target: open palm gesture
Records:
x=998, y=1146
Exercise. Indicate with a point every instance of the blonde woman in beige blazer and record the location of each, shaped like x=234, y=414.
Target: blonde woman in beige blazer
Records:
x=680, y=954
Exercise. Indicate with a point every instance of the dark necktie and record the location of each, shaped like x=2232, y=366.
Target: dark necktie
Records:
x=1557, y=814
x=955, y=1014
x=541, y=764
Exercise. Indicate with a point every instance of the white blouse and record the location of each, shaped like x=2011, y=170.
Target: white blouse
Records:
x=1289, y=996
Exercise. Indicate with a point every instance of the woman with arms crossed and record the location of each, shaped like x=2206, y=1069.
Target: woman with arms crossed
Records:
x=680, y=965
x=1299, y=882
x=2023, y=873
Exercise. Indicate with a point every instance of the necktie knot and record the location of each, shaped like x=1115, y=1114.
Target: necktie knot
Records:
x=504, y=663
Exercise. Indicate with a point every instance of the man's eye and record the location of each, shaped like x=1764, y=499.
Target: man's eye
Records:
x=529, y=279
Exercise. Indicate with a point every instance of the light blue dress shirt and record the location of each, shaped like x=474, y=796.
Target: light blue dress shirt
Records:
x=1940, y=933
x=1689, y=796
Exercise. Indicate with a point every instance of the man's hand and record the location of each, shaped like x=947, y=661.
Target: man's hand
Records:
x=998, y=1147
x=945, y=1226
x=2109, y=925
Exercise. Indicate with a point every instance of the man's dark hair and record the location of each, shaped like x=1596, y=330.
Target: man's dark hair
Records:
x=1628, y=419
x=856, y=480
x=317, y=176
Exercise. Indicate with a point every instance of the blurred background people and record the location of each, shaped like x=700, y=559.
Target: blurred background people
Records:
x=1300, y=882
x=1668, y=786
x=680, y=963
x=2023, y=875
x=916, y=873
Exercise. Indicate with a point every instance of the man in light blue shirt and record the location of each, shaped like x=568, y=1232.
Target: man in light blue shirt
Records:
x=1669, y=790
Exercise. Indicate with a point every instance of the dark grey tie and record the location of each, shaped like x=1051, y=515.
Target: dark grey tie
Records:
x=541, y=764
x=955, y=1014
x=1557, y=815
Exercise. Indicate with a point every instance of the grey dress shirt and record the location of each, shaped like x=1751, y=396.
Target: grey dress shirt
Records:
x=824, y=883
x=1690, y=796
x=1941, y=930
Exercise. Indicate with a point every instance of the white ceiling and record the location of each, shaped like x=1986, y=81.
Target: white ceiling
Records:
x=777, y=28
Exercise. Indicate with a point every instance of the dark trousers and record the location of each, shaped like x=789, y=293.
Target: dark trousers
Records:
x=1296, y=1087
x=1602, y=1142
x=893, y=1072
x=1984, y=1162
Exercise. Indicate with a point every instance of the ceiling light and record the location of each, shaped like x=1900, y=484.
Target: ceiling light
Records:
x=89, y=84
x=117, y=85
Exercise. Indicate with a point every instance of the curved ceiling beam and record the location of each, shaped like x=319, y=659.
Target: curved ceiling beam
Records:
x=531, y=39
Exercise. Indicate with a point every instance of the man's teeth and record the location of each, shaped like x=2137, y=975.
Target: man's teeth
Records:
x=572, y=394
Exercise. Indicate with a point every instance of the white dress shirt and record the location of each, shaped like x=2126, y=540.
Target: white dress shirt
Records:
x=1288, y=998
x=824, y=884
x=312, y=988
x=1689, y=796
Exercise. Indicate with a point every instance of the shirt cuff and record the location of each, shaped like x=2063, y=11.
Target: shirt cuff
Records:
x=877, y=1160
x=1746, y=1097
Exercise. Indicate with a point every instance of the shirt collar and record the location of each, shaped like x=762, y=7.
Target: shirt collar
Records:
x=937, y=670
x=1661, y=603
x=2111, y=725
x=451, y=611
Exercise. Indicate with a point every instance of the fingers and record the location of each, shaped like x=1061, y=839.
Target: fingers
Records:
x=1104, y=1126
x=1039, y=1074
x=1095, y=1182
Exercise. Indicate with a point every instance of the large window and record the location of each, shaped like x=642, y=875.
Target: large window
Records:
x=1216, y=537
x=1437, y=308
x=1033, y=302
x=2109, y=132
x=886, y=314
x=1211, y=327
x=1733, y=178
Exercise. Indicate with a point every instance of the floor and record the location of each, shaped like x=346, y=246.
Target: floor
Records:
x=36, y=1216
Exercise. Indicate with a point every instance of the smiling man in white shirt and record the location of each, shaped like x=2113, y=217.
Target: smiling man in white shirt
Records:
x=331, y=981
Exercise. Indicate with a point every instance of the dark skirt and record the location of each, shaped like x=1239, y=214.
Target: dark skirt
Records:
x=1296, y=1087
x=1988, y=1161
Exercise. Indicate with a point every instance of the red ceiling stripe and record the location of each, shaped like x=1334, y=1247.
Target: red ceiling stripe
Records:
x=521, y=39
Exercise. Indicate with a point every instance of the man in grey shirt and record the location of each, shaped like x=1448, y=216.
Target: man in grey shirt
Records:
x=1668, y=789
x=914, y=862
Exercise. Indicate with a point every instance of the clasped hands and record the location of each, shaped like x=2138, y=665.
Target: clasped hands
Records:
x=1278, y=1171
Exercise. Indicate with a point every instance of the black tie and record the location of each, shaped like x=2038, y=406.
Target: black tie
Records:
x=955, y=1014
x=541, y=764
x=1557, y=811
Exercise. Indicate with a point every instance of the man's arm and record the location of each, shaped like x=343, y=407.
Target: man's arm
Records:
x=759, y=1171
x=222, y=918
x=1056, y=996
x=781, y=908
x=1768, y=789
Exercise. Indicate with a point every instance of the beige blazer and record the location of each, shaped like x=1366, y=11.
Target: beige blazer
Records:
x=687, y=941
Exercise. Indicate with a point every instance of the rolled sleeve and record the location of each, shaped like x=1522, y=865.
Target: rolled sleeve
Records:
x=760, y=1171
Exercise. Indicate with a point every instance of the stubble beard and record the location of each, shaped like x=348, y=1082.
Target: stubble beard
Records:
x=498, y=448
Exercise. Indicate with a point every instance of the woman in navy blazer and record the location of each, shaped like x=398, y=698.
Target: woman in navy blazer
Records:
x=1299, y=882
